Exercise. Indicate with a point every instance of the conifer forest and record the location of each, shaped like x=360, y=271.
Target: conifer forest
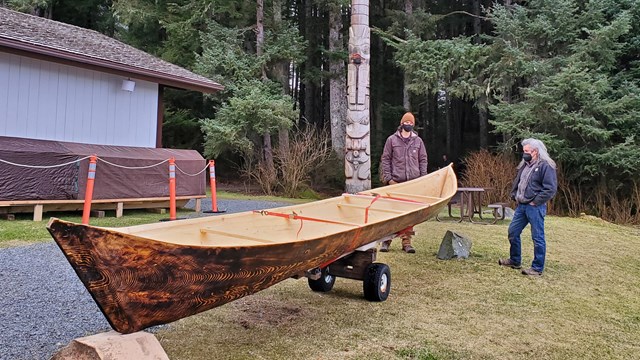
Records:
x=479, y=75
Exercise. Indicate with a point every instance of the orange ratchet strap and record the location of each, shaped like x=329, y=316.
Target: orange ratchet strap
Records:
x=295, y=216
x=401, y=199
x=366, y=210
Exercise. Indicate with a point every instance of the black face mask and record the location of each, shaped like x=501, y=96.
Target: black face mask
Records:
x=526, y=157
x=407, y=127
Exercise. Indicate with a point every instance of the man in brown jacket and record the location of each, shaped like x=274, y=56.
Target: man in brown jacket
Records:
x=404, y=158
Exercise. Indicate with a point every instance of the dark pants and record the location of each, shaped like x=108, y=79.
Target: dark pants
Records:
x=534, y=215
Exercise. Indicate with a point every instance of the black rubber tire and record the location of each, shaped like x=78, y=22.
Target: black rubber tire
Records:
x=377, y=282
x=324, y=283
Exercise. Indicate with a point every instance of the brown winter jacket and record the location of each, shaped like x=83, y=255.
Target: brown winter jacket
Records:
x=403, y=159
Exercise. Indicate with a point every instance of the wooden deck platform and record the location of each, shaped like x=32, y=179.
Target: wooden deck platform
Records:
x=38, y=207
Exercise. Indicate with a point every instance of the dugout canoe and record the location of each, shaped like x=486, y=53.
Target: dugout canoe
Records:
x=154, y=274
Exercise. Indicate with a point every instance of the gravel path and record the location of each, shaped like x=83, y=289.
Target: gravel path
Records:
x=43, y=304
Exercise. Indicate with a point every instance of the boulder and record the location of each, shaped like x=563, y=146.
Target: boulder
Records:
x=113, y=346
x=508, y=213
x=454, y=245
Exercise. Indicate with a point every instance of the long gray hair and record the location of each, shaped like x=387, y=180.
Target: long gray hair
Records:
x=542, y=152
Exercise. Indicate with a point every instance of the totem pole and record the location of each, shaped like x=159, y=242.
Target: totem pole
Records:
x=357, y=147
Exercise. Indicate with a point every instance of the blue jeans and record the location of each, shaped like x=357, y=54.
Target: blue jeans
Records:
x=534, y=215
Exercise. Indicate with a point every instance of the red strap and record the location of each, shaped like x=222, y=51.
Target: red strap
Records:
x=295, y=216
x=366, y=211
x=403, y=199
x=388, y=197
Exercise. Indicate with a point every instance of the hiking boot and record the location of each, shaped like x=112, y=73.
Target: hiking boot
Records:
x=509, y=263
x=531, y=272
x=385, y=246
x=406, y=245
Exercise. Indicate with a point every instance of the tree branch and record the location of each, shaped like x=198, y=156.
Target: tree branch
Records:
x=465, y=13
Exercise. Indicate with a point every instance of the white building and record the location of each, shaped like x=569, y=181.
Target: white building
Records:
x=63, y=82
x=61, y=87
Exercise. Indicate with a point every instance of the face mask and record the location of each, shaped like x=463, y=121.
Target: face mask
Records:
x=526, y=157
x=407, y=127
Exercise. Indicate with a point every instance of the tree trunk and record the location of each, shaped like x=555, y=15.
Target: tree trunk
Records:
x=337, y=83
x=482, y=101
x=477, y=25
x=311, y=91
x=377, y=123
x=267, y=151
x=260, y=32
x=358, y=147
x=406, y=98
x=449, y=124
x=280, y=72
x=483, y=119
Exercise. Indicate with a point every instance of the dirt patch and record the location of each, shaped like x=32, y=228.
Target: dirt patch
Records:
x=256, y=311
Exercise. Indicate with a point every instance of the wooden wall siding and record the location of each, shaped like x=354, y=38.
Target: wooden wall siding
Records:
x=44, y=100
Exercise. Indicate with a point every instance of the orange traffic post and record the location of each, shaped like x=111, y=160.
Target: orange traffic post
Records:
x=212, y=181
x=172, y=189
x=88, y=194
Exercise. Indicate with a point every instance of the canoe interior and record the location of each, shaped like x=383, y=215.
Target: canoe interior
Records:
x=319, y=218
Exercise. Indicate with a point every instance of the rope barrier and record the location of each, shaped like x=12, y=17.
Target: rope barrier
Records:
x=196, y=174
x=104, y=161
x=44, y=166
x=92, y=174
x=133, y=167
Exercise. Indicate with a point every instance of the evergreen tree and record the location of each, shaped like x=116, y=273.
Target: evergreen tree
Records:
x=576, y=93
x=254, y=105
x=563, y=71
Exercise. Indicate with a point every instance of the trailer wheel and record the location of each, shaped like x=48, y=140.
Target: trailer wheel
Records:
x=377, y=282
x=324, y=283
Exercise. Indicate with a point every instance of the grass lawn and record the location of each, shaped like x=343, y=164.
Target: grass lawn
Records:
x=586, y=306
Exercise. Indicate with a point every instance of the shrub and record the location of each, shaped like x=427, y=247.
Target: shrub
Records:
x=494, y=172
x=308, y=149
x=257, y=171
x=620, y=205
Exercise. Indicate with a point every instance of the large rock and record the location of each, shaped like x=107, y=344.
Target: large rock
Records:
x=113, y=346
x=454, y=245
x=508, y=213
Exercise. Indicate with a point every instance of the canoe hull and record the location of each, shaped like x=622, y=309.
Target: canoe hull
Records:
x=138, y=282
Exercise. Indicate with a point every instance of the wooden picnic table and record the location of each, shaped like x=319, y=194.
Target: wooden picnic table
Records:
x=471, y=201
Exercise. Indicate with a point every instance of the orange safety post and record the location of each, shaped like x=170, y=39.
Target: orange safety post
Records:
x=172, y=189
x=212, y=181
x=88, y=194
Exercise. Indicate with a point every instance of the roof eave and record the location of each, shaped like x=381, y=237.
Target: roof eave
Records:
x=91, y=63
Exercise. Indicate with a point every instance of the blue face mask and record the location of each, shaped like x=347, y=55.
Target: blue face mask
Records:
x=407, y=127
x=526, y=157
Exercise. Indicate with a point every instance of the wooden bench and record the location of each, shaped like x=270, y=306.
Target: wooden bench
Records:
x=498, y=211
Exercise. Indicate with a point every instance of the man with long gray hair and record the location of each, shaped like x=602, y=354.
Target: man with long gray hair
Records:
x=535, y=184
